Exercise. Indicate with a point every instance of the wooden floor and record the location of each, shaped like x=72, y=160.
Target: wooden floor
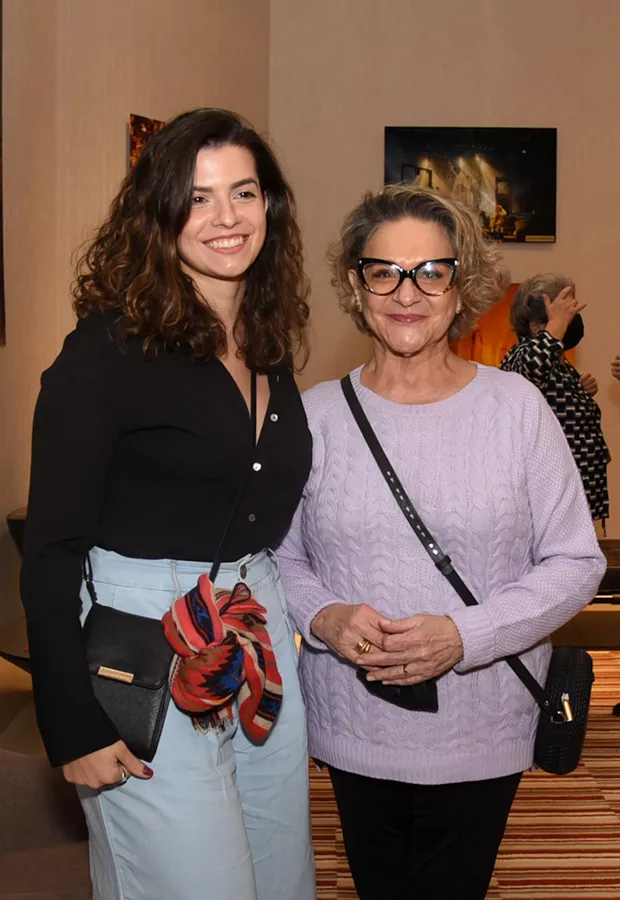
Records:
x=563, y=835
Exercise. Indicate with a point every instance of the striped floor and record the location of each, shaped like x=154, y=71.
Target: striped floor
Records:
x=563, y=835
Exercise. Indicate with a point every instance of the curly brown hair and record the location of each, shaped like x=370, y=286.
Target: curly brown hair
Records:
x=481, y=280
x=132, y=264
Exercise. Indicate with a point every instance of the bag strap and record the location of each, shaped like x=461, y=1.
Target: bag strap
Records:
x=87, y=572
x=441, y=560
x=87, y=568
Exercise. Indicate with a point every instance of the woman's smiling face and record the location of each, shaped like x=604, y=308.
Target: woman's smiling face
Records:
x=227, y=223
x=407, y=321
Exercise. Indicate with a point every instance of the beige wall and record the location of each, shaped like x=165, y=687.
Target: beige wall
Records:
x=73, y=71
x=342, y=69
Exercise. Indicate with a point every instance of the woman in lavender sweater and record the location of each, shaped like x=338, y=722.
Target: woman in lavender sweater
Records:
x=424, y=797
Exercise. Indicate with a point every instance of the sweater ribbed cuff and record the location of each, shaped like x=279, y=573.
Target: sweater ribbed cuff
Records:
x=308, y=618
x=478, y=636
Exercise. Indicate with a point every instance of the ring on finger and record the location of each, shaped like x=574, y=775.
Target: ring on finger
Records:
x=363, y=646
x=124, y=777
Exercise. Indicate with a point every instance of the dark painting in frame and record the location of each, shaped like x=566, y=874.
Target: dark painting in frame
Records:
x=508, y=175
x=141, y=130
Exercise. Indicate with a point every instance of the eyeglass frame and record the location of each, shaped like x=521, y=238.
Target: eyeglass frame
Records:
x=407, y=273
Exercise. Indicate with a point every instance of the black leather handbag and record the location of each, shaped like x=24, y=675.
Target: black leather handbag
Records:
x=564, y=701
x=129, y=659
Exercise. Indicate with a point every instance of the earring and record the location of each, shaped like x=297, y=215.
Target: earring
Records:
x=358, y=303
x=459, y=309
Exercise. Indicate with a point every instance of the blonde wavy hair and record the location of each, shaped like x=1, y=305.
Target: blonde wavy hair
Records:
x=482, y=278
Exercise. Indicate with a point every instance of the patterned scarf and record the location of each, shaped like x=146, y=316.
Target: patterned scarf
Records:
x=224, y=650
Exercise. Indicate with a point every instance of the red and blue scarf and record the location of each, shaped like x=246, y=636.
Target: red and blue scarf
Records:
x=224, y=652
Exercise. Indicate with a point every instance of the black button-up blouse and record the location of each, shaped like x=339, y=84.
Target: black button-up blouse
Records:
x=142, y=455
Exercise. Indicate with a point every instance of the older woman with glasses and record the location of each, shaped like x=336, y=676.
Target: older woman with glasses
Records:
x=423, y=726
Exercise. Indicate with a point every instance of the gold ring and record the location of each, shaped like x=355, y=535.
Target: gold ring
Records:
x=363, y=646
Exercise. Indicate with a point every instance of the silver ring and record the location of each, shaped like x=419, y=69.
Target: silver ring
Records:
x=124, y=778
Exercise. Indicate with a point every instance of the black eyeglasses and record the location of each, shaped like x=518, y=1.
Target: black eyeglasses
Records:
x=433, y=277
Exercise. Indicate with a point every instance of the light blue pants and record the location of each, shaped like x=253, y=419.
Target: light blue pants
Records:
x=222, y=818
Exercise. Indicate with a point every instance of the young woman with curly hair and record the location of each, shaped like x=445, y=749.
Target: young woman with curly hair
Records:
x=191, y=298
x=424, y=793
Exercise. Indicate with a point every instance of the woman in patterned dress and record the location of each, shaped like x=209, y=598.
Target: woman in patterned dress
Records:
x=546, y=317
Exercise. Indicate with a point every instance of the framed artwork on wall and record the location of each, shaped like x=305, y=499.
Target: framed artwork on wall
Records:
x=141, y=129
x=507, y=174
x=492, y=337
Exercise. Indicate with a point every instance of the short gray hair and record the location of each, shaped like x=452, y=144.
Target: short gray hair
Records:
x=528, y=304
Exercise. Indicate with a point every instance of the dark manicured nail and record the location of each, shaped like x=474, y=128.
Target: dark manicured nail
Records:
x=148, y=772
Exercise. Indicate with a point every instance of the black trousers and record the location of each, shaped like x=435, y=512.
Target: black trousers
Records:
x=422, y=842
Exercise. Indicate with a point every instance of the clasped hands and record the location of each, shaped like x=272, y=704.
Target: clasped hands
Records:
x=403, y=651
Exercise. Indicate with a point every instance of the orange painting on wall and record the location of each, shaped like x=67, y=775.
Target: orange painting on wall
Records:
x=492, y=337
x=141, y=130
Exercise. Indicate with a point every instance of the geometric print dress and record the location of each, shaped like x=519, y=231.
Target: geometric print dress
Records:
x=541, y=360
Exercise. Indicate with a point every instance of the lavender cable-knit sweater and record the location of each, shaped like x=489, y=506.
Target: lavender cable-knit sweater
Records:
x=491, y=474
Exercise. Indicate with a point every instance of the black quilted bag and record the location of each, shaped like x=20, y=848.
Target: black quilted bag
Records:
x=565, y=699
x=560, y=735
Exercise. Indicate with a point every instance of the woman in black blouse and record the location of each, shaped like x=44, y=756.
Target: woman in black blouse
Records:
x=142, y=436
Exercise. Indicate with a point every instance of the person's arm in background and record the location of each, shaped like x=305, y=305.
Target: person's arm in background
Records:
x=535, y=357
x=561, y=313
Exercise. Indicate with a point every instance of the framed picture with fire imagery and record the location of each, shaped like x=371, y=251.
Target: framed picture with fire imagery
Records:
x=507, y=174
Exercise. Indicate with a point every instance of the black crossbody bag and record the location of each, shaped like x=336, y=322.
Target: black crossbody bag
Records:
x=129, y=659
x=564, y=701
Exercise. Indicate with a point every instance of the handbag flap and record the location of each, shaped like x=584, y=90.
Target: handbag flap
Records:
x=127, y=648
